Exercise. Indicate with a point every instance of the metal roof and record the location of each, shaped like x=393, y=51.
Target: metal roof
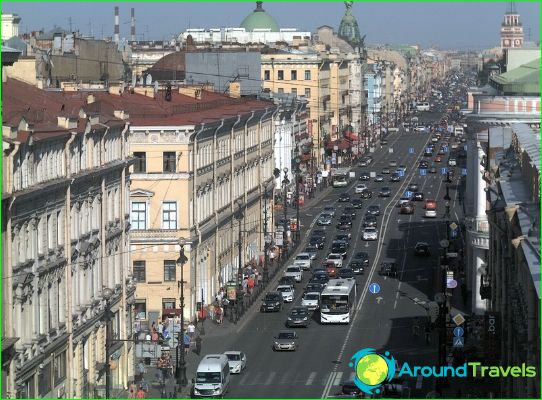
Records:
x=529, y=140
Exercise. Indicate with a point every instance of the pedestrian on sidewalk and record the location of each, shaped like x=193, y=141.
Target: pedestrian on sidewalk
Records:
x=211, y=309
x=132, y=394
x=198, y=345
x=140, y=393
x=191, y=329
x=186, y=341
x=219, y=313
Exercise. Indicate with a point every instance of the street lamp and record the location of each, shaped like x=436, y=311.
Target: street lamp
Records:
x=180, y=372
x=239, y=216
x=107, y=293
x=285, y=183
x=266, y=240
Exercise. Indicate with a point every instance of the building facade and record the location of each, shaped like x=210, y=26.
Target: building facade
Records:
x=10, y=26
x=511, y=29
x=65, y=239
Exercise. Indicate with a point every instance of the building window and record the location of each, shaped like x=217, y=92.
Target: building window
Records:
x=139, y=215
x=280, y=75
x=139, y=271
x=294, y=91
x=280, y=90
x=59, y=368
x=169, y=270
x=168, y=304
x=140, y=162
x=266, y=75
x=169, y=161
x=293, y=75
x=44, y=380
x=307, y=74
x=169, y=215
x=140, y=309
x=307, y=93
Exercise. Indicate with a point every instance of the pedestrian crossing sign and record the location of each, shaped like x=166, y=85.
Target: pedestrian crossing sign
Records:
x=411, y=150
x=459, y=341
x=423, y=172
x=444, y=170
x=464, y=171
x=401, y=172
x=445, y=148
x=408, y=194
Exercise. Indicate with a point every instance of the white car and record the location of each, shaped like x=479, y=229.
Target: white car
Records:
x=303, y=260
x=431, y=213
x=360, y=187
x=311, y=300
x=335, y=258
x=452, y=162
x=295, y=272
x=287, y=292
x=237, y=360
x=370, y=233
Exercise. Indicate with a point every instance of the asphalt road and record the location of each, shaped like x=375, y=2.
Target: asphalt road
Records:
x=382, y=321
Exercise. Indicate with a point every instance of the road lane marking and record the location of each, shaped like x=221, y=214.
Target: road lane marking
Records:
x=352, y=376
x=244, y=379
x=338, y=378
x=327, y=387
x=310, y=380
x=270, y=378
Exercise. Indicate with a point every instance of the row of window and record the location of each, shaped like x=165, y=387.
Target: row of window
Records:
x=169, y=162
x=280, y=75
x=140, y=212
x=140, y=271
x=294, y=92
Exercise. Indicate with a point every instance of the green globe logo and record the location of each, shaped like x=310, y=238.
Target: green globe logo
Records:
x=372, y=369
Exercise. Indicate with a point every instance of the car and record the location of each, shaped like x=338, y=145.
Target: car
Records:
x=364, y=176
x=385, y=192
x=383, y=142
x=430, y=214
x=441, y=152
x=345, y=273
x=428, y=153
x=312, y=251
x=366, y=194
x=344, y=225
x=402, y=167
x=329, y=210
x=311, y=300
x=357, y=203
x=295, y=271
x=407, y=208
x=340, y=247
x=403, y=200
x=417, y=196
x=388, y=268
x=350, y=390
x=237, y=361
x=379, y=178
x=287, y=292
x=438, y=159
x=357, y=267
x=395, y=177
x=430, y=204
x=318, y=242
x=373, y=210
x=422, y=249
x=370, y=221
x=322, y=279
x=369, y=233
x=344, y=198
x=272, y=302
x=287, y=280
x=362, y=163
x=344, y=236
x=361, y=256
x=286, y=341
x=350, y=211
x=432, y=170
x=393, y=163
x=335, y=258
x=424, y=165
x=419, y=129
x=360, y=187
x=452, y=162
x=434, y=139
x=386, y=171
x=331, y=269
x=303, y=260
x=298, y=316
x=324, y=220
x=412, y=187
x=313, y=287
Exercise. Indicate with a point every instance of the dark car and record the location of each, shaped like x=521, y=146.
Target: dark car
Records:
x=344, y=198
x=312, y=250
x=298, y=316
x=370, y=221
x=432, y=170
x=385, y=192
x=271, y=302
x=388, y=268
x=407, y=208
x=320, y=233
x=424, y=165
x=317, y=241
x=362, y=257
x=345, y=273
x=386, y=171
x=344, y=236
x=373, y=210
x=313, y=287
x=350, y=211
x=422, y=249
x=320, y=278
x=383, y=142
x=418, y=196
x=366, y=194
x=412, y=187
x=357, y=267
x=344, y=225
x=395, y=177
x=379, y=178
x=428, y=153
x=287, y=280
x=349, y=388
x=357, y=203
x=364, y=176
x=339, y=247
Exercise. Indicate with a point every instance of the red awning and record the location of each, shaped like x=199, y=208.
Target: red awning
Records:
x=342, y=144
x=350, y=135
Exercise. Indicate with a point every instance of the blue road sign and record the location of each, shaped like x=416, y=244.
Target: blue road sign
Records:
x=411, y=150
x=445, y=148
x=408, y=194
x=459, y=341
x=401, y=172
x=464, y=171
x=428, y=150
x=465, y=147
x=458, y=331
x=423, y=172
x=453, y=234
x=444, y=170
x=374, y=288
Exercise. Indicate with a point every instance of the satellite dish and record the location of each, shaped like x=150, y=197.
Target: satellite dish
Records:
x=148, y=79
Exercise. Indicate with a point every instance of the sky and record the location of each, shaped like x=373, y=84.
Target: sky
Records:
x=446, y=25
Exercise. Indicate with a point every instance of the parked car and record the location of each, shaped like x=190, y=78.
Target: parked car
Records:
x=285, y=341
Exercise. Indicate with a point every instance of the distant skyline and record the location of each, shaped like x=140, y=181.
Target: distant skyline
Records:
x=451, y=25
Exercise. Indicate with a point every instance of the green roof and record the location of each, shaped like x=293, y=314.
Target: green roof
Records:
x=259, y=19
x=524, y=79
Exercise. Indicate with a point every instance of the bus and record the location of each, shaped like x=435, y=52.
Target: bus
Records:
x=339, y=177
x=338, y=301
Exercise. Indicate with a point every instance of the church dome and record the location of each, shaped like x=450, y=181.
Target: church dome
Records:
x=259, y=19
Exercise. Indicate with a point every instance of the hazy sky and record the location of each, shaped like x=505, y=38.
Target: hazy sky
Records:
x=445, y=24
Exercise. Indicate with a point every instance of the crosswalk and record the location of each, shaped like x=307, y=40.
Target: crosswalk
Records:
x=310, y=378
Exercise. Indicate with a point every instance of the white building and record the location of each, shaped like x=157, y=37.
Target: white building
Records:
x=241, y=35
x=10, y=26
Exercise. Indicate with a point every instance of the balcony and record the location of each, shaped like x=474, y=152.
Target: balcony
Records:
x=478, y=230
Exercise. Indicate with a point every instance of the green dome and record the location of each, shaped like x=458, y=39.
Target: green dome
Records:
x=259, y=19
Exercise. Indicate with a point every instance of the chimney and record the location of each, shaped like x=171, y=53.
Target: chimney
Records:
x=132, y=29
x=117, y=26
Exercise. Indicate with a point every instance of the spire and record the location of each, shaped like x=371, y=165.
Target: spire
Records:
x=512, y=8
x=348, y=29
x=259, y=6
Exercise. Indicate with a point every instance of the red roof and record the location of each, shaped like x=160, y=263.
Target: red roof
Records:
x=342, y=144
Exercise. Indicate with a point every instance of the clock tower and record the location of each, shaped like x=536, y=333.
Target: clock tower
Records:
x=511, y=29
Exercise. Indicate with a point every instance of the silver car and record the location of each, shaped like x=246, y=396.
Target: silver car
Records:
x=303, y=260
x=237, y=361
x=287, y=292
x=295, y=272
x=324, y=219
x=369, y=233
x=286, y=341
x=311, y=300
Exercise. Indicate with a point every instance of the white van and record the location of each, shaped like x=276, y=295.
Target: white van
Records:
x=458, y=131
x=423, y=106
x=212, y=376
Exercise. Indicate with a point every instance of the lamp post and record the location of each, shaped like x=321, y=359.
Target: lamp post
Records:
x=285, y=183
x=297, y=182
x=440, y=298
x=239, y=216
x=266, y=241
x=180, y=372
x=107, y=293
